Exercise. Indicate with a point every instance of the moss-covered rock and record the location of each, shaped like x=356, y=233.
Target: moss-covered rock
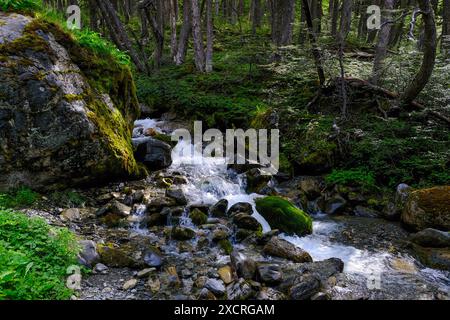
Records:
x=283, y=215
x=428, y=208
x=198, y=217
x=66, y=114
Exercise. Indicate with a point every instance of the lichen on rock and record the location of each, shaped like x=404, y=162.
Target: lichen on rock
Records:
x=66, y=114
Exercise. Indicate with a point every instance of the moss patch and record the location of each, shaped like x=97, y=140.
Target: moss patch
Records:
x=283, y=215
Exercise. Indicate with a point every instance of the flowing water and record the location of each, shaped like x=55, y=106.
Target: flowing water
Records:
x=209, y=181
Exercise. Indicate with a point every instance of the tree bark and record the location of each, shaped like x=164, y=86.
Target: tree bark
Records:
x=173, y=29
x=445, y=39
x=383, y=41
x=184, y=33
x=199, y=51
x=209, y=36
x=429, y=54
x=283, y=16
x=346, y=18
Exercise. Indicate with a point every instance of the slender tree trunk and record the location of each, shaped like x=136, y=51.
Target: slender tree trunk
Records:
x=283, y=15
x=429, y=54
x=346, y=18
x=173, y=29
x=334, y=17
x=199, y=51
x=184, y=33
x=445, y=39
x=209, y=36
x=383, y=41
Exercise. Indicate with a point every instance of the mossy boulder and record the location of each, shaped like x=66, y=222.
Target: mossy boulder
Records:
x=428, y=208
x=281, y=214
x=66, y=114
x=198, y=217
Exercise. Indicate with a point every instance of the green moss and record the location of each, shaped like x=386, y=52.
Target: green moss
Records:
x=283, y=215
x=73, y=97
x=198, y=217
x=226, y=245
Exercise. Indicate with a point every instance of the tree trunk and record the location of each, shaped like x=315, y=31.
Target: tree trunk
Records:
x=429, y=54
x=346, y=18
x=445, y=40
x=383, y=41
x=199, y=51
x=184, y=33
x=283, y=15
x=119, y=34
x=173, y=29
x=209, y=36
x=334, y=17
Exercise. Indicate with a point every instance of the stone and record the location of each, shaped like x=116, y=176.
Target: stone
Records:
x=182, y=233
x=215, y=286
x=244, y=266
x=428, y=208
x=240, y=207
x=270, y=274
x=240, y=290
x=154, y=154
x=201, y=281
x=154, y=285
x=431, y=238
x=226, y=274
x=205, y=294
x=270, y=294
x=72, y=214
x=437, y=258
x=66, y=128
x=130, y=284
x=219, y=210
x=153, y=258
x=117, y=257
x=335, y=205
x=100, y=268
x=281, y=248
x=144, y=273
x=365, y=212
x=307, y=287
x=220, y=233
x=257, y=180
x=120, y=209
x=198, y=217
x=178, y=195
x=281, y=214
x=88, y=255
x=312, y=187
x=244, y=221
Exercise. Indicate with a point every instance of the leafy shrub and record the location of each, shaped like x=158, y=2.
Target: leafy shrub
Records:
x=67, y=198
x=20, y=5
x=352, y=177
x=34, y=258
x=19, y=198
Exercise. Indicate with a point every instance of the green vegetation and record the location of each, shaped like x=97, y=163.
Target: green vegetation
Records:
x=67, y=199
x=283, y=215
x=20, y=5
x=360, y=177
x=19, y=198
x=34, y=258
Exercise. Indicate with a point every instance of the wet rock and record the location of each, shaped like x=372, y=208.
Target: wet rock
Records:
x=215, y=286
x=100, y=268
x=320, y=296
x=159, y=203
x=117, y=257
x=281, y=214
x=144, y=273
x=281, y=248
x=178, y=195
x=437, y=258
x=428, y=208
x=182, y=233
x=178, y=179
x=201, y=281
x=202, y=207
x=335, y=205
x=240, y=290
x=155, y=219
x=257, y=181
x=240, y=207
x=322, y=270
x=116, y=208
x=198, y=217
x=270, y=294
x=431, y=238
x=393, y=210
x=88, y=255
x=244, y=266
x=153, y=153
x=219, y=210
x=365, y=212
x=244, y=234
x=205, y=294
x=226, y=274
x=72, y=214
x=153, y=258
x=244, y=221
x=267, y=236
x=307, y=287
x=130, y=284
x=270, y=274
x=311, y=186
x=220, y=233
x=154, y=285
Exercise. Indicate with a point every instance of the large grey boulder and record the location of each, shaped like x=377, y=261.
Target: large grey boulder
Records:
x=153, y=153
x=66, y=114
